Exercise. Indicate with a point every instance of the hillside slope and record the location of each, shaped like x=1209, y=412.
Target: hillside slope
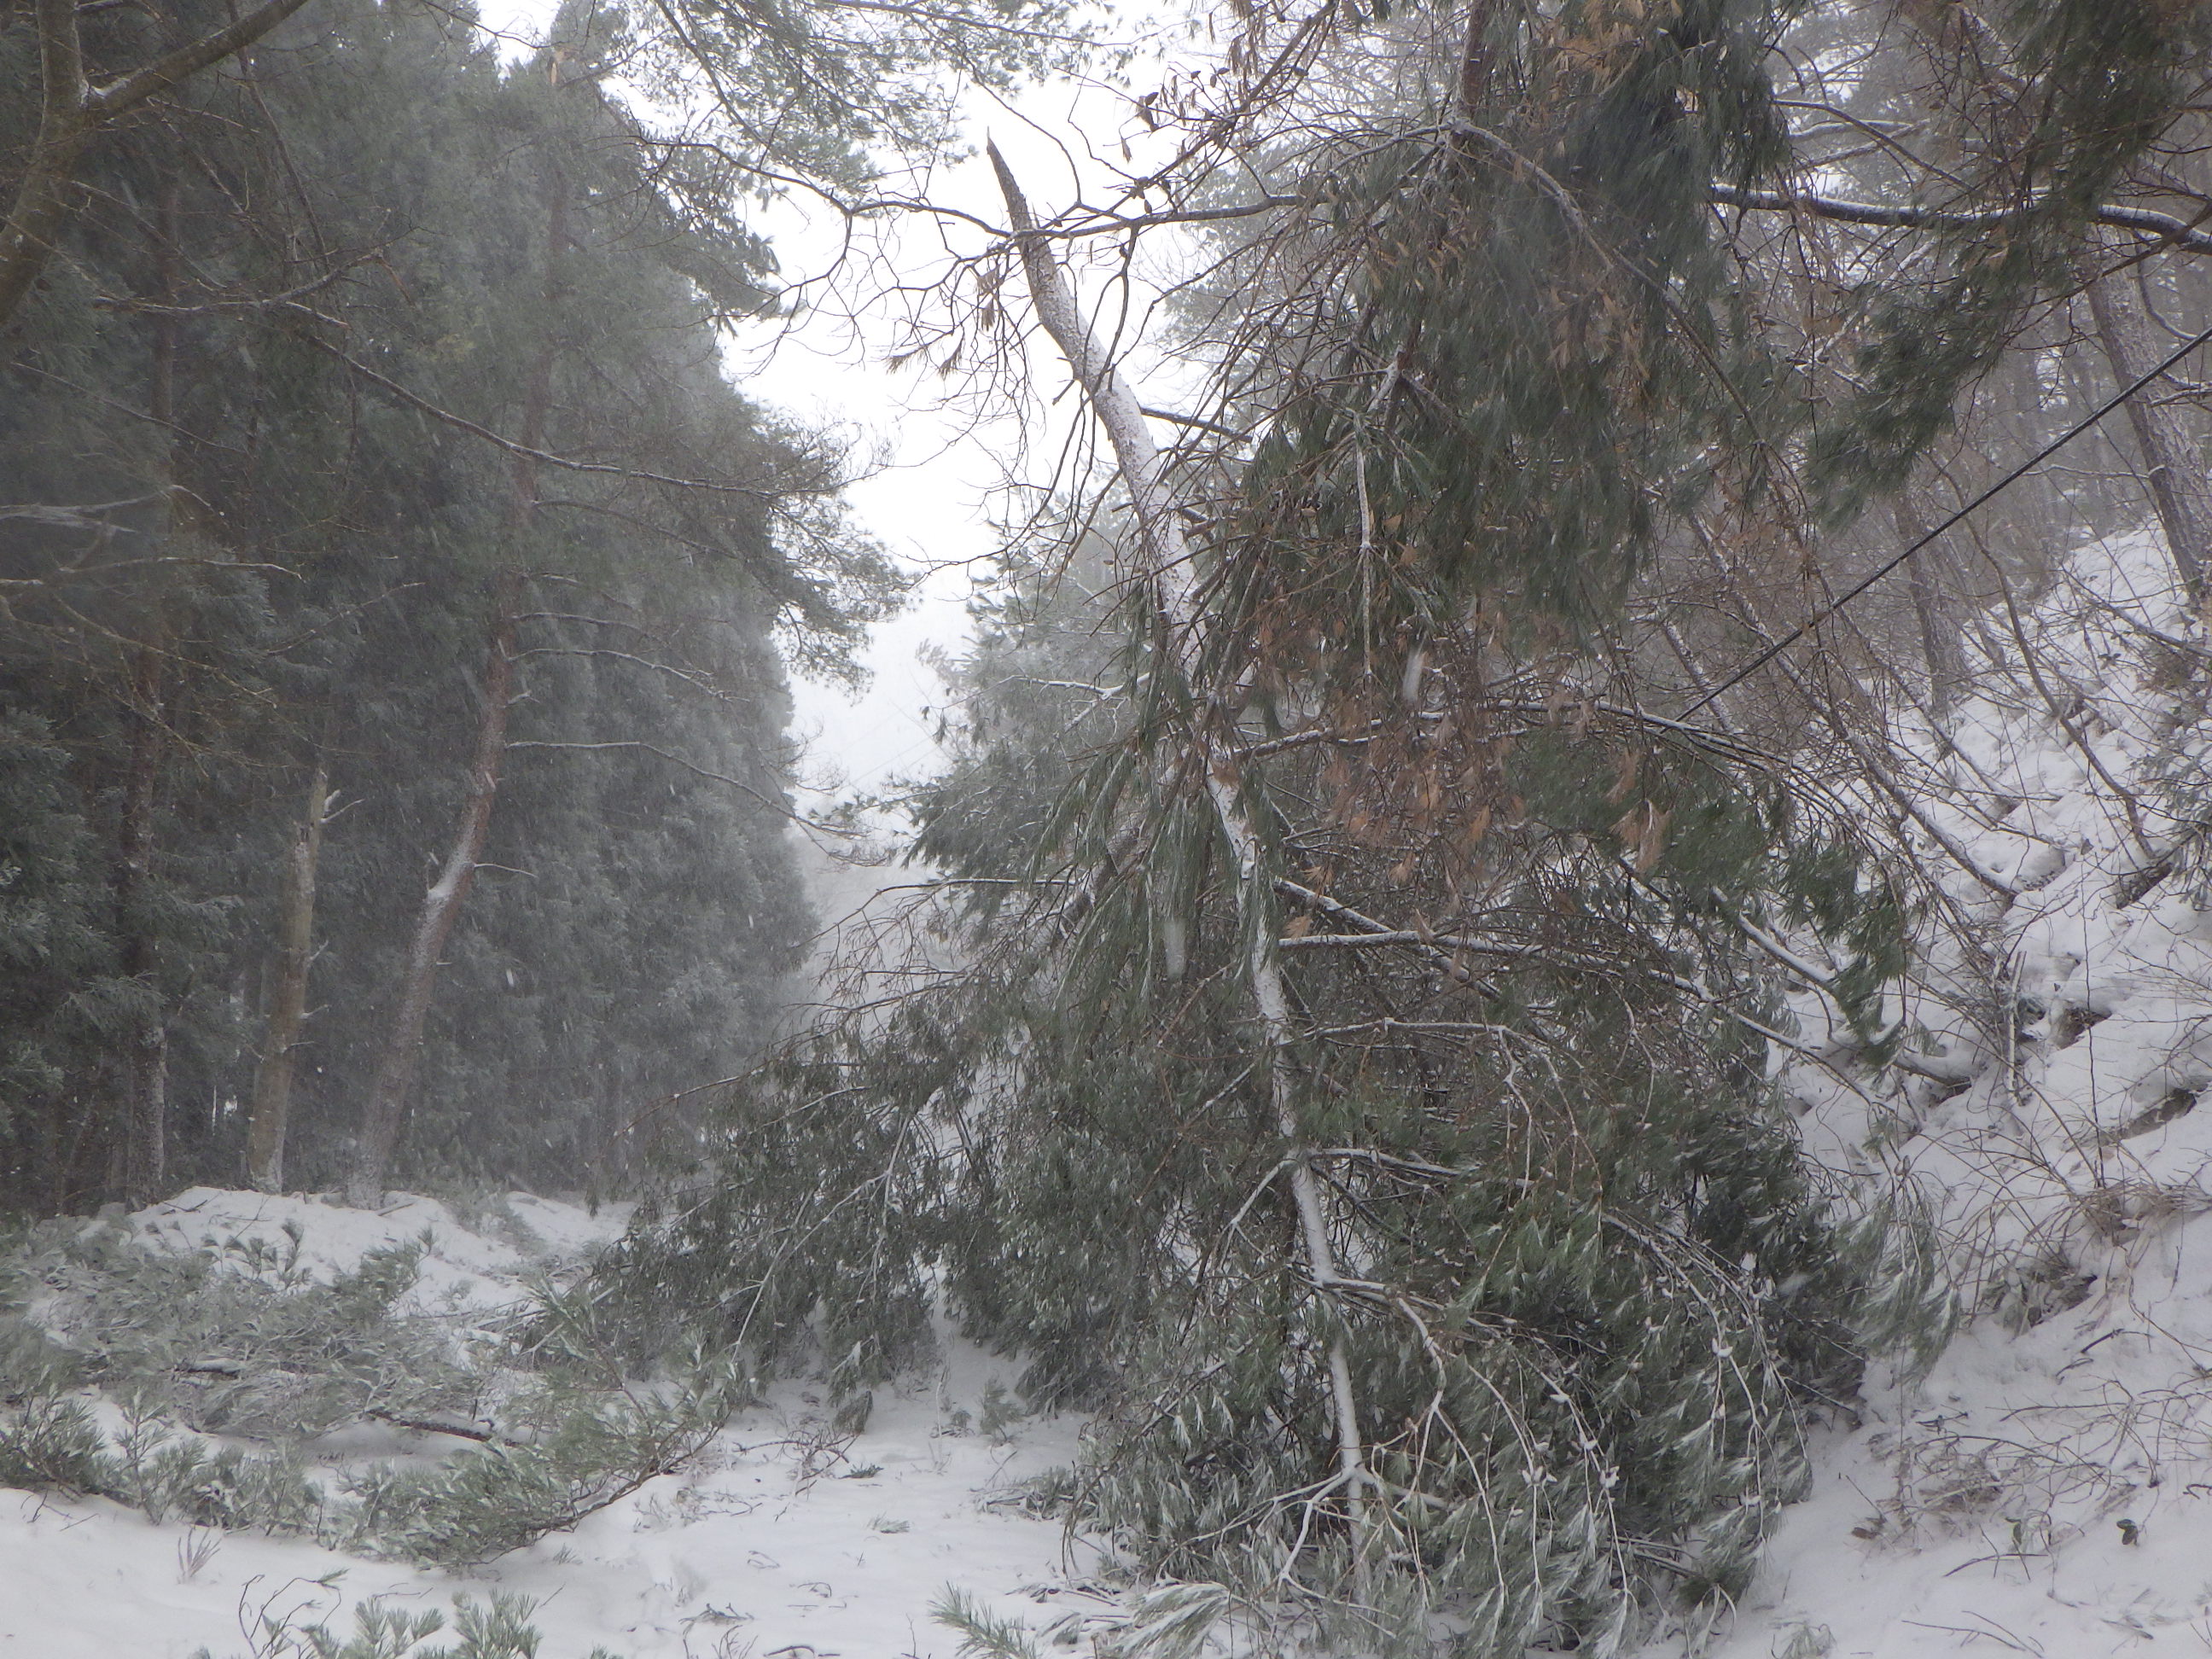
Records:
x=2044, y=1488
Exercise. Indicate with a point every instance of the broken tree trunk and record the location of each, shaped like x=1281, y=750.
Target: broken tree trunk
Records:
x=287, y=1004
x=1170, y=577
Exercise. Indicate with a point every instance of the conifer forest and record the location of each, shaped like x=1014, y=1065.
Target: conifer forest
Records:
x=1543, y=988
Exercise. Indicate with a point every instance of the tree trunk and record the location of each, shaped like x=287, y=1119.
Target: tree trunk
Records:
x=386, y=1111
x=1941, y=646
x=288, y=1003
x=1171, y=577
x=144, y=1141
x=2176, y=490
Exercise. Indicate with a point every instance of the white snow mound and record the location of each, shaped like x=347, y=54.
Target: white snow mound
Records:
x=786, y=1539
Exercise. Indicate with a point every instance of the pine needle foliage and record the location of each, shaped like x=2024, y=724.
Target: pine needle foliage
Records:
x=51, y=1439
x=1528, y=350
x=2045, y=108
x=207, y=1351
x=568, y=1452
x=1573, y=1210
x=1486, y=1309
x=817, y=1249
x=241, y=1338
x=1595, y=1289
x=249, y=540
x=499, y=1629
x=58, y=991
x=983, y=1634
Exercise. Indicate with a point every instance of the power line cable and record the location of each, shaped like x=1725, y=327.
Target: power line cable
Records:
x=2010, y=478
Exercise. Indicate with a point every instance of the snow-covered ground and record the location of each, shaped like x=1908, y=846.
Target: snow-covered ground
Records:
x=2047, y=1488
x=786, y=1539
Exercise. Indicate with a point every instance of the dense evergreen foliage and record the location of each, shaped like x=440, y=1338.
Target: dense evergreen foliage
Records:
x=1354, y=1083
x=1592, y=1288
x=254, y=529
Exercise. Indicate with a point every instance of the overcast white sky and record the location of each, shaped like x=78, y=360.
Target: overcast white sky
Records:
x=947, y=462
x=932, y=500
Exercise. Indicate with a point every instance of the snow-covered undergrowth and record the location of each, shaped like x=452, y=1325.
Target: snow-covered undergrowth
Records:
x=2046, y=1488
x=787, y=1535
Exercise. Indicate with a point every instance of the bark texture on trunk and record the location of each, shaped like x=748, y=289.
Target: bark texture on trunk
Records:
x=1929, y=578
x=287, y=1004
x=2176, y=489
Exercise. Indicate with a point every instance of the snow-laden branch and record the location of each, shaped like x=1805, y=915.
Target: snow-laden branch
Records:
x=2145, y=221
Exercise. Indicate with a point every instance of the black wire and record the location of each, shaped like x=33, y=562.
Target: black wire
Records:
x=2004, y=483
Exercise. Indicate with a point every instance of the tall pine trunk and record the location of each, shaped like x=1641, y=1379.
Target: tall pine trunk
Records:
x=1942, y=647
x=143, y=1126
x=287, y=1004
x=384, y=1114
x=143, y=1165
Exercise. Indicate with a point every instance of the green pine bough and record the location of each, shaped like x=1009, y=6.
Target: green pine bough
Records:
x=203, y=1347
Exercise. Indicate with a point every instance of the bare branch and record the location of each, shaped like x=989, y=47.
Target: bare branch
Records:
x=70, y=111
x=2180, y=233
x=106, y=102
x=415, y=401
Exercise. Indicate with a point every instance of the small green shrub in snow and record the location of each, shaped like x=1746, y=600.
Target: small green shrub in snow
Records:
x=238, y=1338
x=50, y=1440
x=170, y=1475
x=500, y=1630
x=49, y=1443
